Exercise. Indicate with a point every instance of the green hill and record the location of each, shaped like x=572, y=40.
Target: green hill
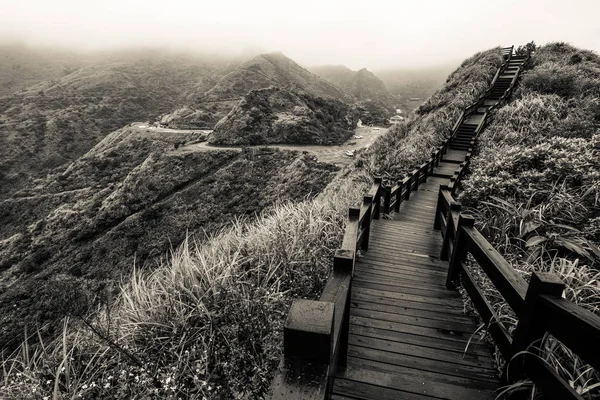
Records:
x=277, y=116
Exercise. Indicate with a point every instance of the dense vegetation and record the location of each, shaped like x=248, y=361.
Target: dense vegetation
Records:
x=277, y=116
x=535, y=186
x=208, y=322
x=125, y=203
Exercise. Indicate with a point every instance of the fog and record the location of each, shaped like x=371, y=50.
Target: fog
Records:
x=373, y=34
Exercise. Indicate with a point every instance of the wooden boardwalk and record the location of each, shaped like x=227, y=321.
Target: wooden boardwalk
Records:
x=409, y=338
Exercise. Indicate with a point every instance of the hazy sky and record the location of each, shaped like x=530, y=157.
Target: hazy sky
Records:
x=369, y=33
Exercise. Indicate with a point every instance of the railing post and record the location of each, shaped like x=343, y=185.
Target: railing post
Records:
x=425, y=171
x=343, y=261
x=367, y=201
x=377, y=198
x=401, y=186
x=530, y=328
x=387, y=193
x=308, y=331
x=408, y=187
x=454, y=206
x=437, y=222
x=459, y=253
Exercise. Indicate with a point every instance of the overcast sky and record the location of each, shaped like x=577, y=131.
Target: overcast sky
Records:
x=369, y=33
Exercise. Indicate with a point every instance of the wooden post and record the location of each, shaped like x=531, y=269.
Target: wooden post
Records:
x=437, y=222
x=387, y=193
x=343, y=261
x=425, y=171
x=459, y=253
x=452, y=185
x=401, y=186
x=308, y=331
x=377, y=199
x=367, y=201
x=415, y=177
x=454, y=206
x=530, y=328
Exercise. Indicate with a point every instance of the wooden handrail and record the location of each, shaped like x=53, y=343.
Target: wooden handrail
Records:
x=322, y=326
x=539, y=307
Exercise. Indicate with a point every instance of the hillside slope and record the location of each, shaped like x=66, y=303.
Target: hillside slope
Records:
x=127, y=202
x=277, y=116
x=22, y=66
x=57, y=121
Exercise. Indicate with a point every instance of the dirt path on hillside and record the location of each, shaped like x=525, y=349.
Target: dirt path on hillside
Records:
x=363, y=138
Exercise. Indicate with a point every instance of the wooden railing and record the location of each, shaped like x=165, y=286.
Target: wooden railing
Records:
x=315, y=333
x=539, y=305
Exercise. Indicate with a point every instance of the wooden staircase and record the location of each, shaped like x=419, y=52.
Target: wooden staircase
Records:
x=472, y=122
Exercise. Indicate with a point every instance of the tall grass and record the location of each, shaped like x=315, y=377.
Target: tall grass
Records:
x=207, y=324
x=535, y=189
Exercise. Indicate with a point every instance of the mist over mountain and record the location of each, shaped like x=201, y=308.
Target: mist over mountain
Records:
x=60, y=118
x=260, y=72
x=361, y=84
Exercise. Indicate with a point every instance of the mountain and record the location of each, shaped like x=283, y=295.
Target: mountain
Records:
x=417, y=84
x=275, y=115
x=262, y=71
x=58, y=120
x=22, y=66
x=375, y=104
x=361, y=84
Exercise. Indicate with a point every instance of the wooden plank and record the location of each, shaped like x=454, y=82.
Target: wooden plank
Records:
x=450, y=295
x=452, y=327
x=417, y=382
x=480, y=348
x=360, y=298
x=450, y=303
x=367, y=391
x=403, y=286
x=432, y=333
x=365, y=304
x=423, y=359
x=405, y=275
x=398, y=270
x=428, y=349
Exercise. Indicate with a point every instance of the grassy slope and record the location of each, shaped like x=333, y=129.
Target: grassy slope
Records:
x=128, y=201
x=208, y=323
x=278, y=116
x=535, y=184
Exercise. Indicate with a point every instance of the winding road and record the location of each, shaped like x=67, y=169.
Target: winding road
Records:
x=363, y=138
